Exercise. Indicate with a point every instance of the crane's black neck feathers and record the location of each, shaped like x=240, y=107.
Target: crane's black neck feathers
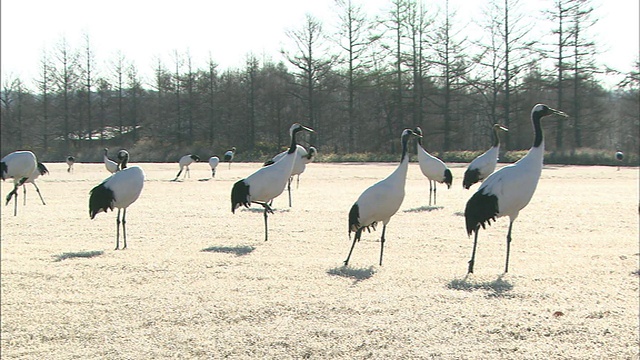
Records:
x=405, y=140
x=496, y=138
x=537, y=129
x=294, y=146
x=480, y=210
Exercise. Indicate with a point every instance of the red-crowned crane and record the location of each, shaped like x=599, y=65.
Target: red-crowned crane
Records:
x=508, y=190
x=433, y=168
x=619, y=157
x=228, y=156
x=120, y=190
x=70, y=161
x=213, y=163
x=485, y=164
x=184, y=162
x=19, y=166
x=381, y=200
x=40, y=170
x=267, y=182
x=302, y=159
x=109, y=164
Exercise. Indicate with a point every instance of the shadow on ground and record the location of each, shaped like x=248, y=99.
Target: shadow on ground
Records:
x=357, y=274
x=79, y=254
x=425, y=208
x=236, y=250
x=496, y=288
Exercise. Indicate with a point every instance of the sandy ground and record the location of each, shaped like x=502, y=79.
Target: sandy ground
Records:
x=199, y=282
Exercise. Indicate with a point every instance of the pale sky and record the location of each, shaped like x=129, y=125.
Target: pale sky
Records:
x=145, y=30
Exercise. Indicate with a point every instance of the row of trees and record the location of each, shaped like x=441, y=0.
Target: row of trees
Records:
x=358, y=88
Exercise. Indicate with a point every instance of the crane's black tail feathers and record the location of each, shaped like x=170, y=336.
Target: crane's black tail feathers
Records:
x=471, y=176
x=354, y=214
x=42, y=169
x=480, y=210
x=448, y=178
x=239, y=195
x=100, y=200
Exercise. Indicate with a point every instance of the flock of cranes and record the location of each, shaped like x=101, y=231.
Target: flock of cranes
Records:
x=502, y=193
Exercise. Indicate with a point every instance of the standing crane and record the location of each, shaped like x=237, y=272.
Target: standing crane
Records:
x=302, y=159
x=184, y=162
x=433, y=168
x=109, y=164
x=213, y=163
x=228, y=156
x=70, y=161
x=508, y=190
x=381, y=200
x=267, y=182
x=19, y=166
x=619, y=157
x=485, y=164
x=40, y=170
x=120, y=190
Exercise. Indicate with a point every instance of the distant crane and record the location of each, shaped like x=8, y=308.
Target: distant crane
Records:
x=40, y=170
x=109, y=164
x=508, y=190
x=70, y=161
x=19, y=166
x=120, y=190
x=268, y=182
x=381, y=200
x=229, y=155
x=619, y=157
x=213, y=163
x=485, y=164
x=184, y=162
x=433, y=168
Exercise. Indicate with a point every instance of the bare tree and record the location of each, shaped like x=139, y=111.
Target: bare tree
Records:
x=65, y=79
x=310, y=41
x=43, y=84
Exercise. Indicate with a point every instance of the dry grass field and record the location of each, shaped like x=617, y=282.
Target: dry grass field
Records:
x=197, y=281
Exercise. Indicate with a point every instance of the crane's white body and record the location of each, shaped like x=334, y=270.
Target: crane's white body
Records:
x=70, y=161
x=515, y=184
x=184, y=163
x=269, y=182
x=19, y=166
x=120, y=190
x=109, y=164
x=431, y=167
x=486, y=162
x=229, y=155
x=213, y=163
x=301, y=160
x=382, y=200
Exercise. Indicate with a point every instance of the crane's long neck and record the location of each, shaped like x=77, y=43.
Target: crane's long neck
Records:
x=536, y=153
x=403, y=167
x=294, y=145
x=496, y=138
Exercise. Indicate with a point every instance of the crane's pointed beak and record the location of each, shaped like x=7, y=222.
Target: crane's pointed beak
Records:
x=307, y=128
x=559, y=113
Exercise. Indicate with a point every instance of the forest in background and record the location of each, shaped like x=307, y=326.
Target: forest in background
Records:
x=358, y=85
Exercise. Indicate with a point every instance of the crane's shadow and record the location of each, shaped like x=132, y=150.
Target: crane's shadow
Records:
x=424, y=208
x=494, y=288
x=240, y=250
x=78, y=254
x=357, y=274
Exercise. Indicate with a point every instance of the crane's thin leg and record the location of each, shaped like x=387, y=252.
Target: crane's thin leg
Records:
x=430, y=191
x=267, y=210
x=38, y=190
x=298, y=181
x=355, y=238
x=177, y=176
x=118, y=231
x=15, y=203
x=24, y=195
x=384, y=227
x=435, y=189
x=506, y=265
x=473, y=253
x=124, y=228
x=289, y=189
x=187, y=173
